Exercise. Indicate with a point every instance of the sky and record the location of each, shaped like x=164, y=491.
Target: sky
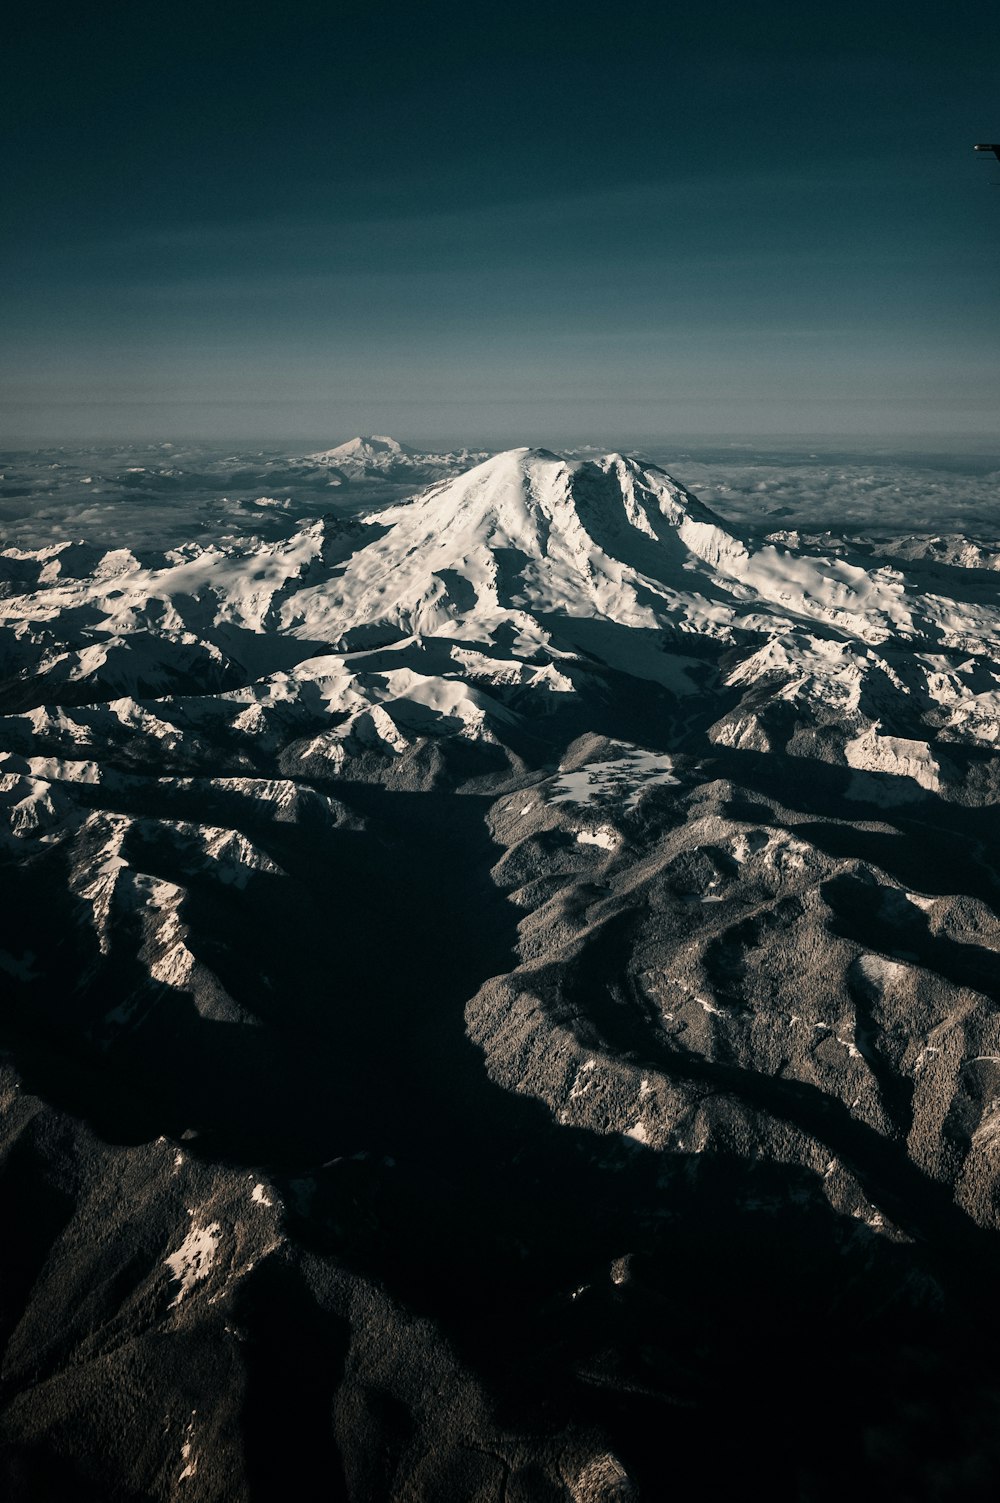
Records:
x=499, y=223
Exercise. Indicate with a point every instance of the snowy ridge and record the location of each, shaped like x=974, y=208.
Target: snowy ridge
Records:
x=476, y=608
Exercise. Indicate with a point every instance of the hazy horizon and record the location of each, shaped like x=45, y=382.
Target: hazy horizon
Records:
x=897, y=444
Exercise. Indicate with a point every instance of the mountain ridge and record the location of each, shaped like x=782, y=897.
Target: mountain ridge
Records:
x=524, y=950
x=532, y=559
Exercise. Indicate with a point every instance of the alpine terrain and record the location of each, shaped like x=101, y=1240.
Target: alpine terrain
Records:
x=501, y=1001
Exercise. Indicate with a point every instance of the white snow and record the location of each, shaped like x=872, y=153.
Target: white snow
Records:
x=583, y=1080
x=192, y=1262
x=605, y=837
x=626, y=777
x=31, y=809
x=895, y=755
x=920, y=900
x=377, y=455
x=188, y=1457
x=400, y=618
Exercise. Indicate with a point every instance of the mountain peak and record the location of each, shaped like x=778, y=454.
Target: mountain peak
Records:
x=369, y=446
x=377, y=456
x=528, y=531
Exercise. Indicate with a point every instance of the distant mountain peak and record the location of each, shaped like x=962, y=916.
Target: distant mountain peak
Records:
x=366, y=445
x=377, y=456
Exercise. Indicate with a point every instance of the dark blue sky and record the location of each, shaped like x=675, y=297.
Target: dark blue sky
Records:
x=545, y=223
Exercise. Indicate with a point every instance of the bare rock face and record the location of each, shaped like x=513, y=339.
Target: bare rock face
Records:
x=499, y=1002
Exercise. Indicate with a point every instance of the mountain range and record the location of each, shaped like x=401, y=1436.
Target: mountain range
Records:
x=490, y=978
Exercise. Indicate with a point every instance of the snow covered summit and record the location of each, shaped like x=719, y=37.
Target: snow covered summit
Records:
x=528, y=533
x=477, y=601
x=375, y=449
x=377, y=456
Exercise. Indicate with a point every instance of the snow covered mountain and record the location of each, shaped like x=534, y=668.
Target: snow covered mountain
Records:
x=378, y=457
x=376, y=450
x=522, y=574
x=534, y=934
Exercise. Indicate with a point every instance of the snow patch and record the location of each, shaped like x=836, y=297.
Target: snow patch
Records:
x=193, y=1260
x=626, y=777
x=188, y=1457
x=605, y=837
x=582, y=1083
